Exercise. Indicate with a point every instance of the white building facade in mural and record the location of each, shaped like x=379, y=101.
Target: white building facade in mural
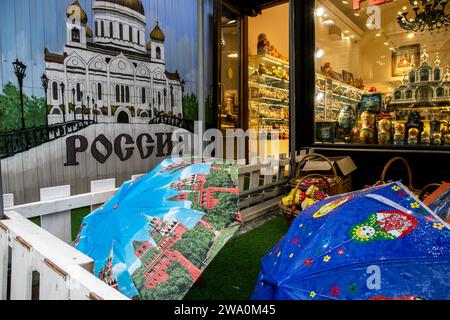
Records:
x=113, y=71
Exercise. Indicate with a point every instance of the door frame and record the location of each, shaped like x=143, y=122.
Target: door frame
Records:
x=217, y=61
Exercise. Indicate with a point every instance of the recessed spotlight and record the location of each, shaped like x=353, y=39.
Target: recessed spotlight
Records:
x=378, y=34
x=352, y=36
x=356, y=14
x=231, y=21
x=345, y=2
x=320, y=12
x=346, y=31
x=329, y=21
x=410, y=35
x=386, y=43
x=391, y=48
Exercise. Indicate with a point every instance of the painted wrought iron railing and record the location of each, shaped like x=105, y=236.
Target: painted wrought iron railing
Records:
x=174, y=121
x=15, y=142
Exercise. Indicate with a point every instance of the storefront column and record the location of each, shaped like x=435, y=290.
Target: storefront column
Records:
x=302, y=74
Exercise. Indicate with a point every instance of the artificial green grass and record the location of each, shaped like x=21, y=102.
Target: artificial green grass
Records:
x=233, y=273
x=77, y=218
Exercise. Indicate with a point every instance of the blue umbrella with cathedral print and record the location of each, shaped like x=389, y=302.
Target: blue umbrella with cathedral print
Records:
x=375, y=244
x=154, y=238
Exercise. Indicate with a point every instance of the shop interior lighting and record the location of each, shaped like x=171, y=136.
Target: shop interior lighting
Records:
x=320, y=12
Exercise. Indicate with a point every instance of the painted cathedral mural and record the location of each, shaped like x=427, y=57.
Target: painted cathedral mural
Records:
x=116, y=61
x=97, y=72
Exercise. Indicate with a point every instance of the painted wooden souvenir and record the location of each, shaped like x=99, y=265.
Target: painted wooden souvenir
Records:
x=399, y=133
x=367, y=133
x=384, y=131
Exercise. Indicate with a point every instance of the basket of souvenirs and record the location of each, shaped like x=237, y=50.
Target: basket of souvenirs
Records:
x=323, y=181
x=298, y=200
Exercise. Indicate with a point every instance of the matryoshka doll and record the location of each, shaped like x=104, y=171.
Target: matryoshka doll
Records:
x=367, y=132
x=447, y=139
x=384, y=131
x=436, y=138
x=425, y=137
x=399, y=133
x=413, y=136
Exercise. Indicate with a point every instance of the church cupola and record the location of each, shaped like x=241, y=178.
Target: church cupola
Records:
x=77, y=29
x=157, y=43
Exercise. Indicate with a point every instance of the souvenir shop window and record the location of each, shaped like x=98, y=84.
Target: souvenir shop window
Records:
x=382, y=74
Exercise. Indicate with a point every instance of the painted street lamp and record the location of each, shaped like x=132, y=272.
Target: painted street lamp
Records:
x=19, y=70
x=63, y=88
x=88, y=109
x=45, y=82
x=96, y=114
x=82, y=106
x=73, y=105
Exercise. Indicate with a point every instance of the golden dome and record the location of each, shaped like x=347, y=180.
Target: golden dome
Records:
x=149, y=45
x=89, y=33
x=135, y=5
x=157, y=34
x=76, y=9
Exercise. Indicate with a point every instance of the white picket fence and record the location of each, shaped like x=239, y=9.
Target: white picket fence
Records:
x=28, y=251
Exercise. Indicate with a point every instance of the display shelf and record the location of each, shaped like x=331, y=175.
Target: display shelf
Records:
x=332, y=95
x=269, y=95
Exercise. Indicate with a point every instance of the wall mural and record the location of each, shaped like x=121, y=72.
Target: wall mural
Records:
x=121, y=60
x=92, y=66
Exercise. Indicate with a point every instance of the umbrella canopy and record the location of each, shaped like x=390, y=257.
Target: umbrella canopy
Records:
x=379, y=243
x=153, y=239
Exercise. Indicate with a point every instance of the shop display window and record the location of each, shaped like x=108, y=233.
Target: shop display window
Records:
x=382, y=74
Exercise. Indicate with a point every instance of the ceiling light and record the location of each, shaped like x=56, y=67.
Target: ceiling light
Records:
x=319, y=96
x=231, y=21
x=345, y=2
x=346, y=31
x=233, y=55
x=378, y=34
x=320, y=12
x=386, y=43
x=319, y=53
x=410, y=35
x=329, y=21
x=356, y=14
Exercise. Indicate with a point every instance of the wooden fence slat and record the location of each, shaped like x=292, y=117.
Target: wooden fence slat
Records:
x=52, y=285
x=8, y=200
x=58, y=223
x=102, y=186
x=21, y=270
x=4, y=254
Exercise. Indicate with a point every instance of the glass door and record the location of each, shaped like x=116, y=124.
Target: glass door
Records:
x=227, y=91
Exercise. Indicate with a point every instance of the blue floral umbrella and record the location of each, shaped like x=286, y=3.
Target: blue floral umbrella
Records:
x=154, y=238
x=375, y=244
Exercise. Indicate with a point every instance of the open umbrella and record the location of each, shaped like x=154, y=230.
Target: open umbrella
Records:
x=154, y=238
x=378, y=243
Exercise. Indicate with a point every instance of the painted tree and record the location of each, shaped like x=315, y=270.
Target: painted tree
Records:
x=10, y=116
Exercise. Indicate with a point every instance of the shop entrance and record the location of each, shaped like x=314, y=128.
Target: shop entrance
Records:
x=251, y=72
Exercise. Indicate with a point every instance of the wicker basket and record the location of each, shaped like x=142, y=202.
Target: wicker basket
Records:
x=293, y=211
x=388, y=165
x=330, y=182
